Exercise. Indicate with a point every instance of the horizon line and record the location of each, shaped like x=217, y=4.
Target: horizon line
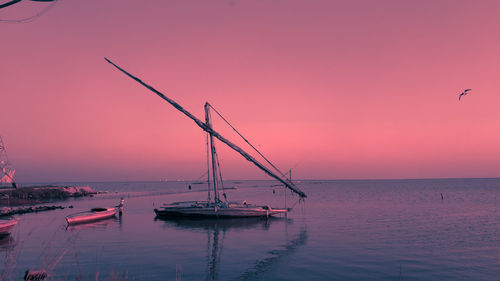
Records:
x=303, y=179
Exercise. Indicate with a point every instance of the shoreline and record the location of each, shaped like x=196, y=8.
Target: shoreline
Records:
x=42, y=194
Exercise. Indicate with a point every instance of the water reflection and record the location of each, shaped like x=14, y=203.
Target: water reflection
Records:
x=220, y=224
x=265, y=264
x=216, y=230
x=6, y=242
x=10, y=251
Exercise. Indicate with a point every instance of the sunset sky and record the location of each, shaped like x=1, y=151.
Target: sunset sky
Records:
x=332, y=89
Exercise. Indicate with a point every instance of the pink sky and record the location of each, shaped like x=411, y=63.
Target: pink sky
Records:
x=332, y=89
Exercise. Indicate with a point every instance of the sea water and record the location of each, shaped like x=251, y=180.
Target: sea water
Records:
x=442, y=229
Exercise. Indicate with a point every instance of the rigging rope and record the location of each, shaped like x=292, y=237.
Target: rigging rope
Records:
x=208, y=170
x=300, y=199
x=285, y=197
x=3, y=151
x=220, y=175
x=202, y=176
x=227, y=122
x=254, y=148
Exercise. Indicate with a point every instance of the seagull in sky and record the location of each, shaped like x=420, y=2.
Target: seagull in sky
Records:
x=465, y=92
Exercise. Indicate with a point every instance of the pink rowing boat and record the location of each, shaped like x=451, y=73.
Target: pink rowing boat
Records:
x=94, y=214
x=6, y=225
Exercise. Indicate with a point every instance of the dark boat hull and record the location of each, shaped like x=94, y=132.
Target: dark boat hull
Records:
x=195, y=209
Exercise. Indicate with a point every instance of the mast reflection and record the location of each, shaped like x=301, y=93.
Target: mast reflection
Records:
x=216, y=230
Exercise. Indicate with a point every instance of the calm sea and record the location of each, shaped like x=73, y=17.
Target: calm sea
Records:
x=446, y=229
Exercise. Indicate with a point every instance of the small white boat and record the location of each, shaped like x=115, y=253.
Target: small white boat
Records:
x=6, y=225
x=94, y=214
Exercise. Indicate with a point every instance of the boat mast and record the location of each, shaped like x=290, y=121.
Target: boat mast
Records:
x=203, y=126
x=212, y=150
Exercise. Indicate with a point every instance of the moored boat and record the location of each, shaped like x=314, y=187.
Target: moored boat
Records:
x=210, y=209
x=6, y=225
x=94, y=214
x=217, y=205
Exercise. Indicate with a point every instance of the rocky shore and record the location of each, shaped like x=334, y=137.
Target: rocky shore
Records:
x=9, y=211
x=41, y=194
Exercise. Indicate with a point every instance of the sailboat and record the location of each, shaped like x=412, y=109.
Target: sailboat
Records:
x=219, y=206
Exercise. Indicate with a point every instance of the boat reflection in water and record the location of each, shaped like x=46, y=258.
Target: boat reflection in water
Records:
x=216, y=230
x=9, y=249
x=7, y=242
x=218, y=224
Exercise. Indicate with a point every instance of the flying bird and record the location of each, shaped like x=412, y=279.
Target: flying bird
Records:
x=465, y=92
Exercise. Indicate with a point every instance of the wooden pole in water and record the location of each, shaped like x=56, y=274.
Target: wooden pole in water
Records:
x=209, y=130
